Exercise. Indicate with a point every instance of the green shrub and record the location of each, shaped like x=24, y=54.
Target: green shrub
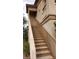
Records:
x=26, y=48
x=25, y=38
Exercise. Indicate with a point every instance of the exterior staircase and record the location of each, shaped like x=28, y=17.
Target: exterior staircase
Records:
x=42, y=51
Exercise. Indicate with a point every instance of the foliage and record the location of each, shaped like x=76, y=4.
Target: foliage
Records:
x=25, y=38
x=25, y=34
x=26, y=48
x=24, y=20
x=25, y=30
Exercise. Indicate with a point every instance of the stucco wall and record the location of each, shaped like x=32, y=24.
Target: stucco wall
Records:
x=49, y=9
x=40, y=13
x=50, y=27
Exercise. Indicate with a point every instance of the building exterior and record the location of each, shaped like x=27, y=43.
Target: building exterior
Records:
x=42, y=17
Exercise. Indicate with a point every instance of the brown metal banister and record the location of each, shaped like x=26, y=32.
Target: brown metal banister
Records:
x=31, y=43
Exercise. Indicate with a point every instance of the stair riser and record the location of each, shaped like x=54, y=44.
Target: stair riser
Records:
x=39, y=41
x=36, y=33
x=37, y=36
x=42, y=49
x=44, y=54
x=40, y=44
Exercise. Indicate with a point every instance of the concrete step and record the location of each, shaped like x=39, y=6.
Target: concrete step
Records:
x=38, y=41
x=41, y=47
x=42, y=53
x=40, y=44
x=37, y=34
x=35, y=31
x=38, y=38
x=45, y=57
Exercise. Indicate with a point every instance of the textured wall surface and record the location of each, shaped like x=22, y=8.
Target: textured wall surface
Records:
x=49, y=8
x=50, y=28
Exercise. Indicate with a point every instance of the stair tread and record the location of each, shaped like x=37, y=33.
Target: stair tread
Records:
x=43, y=52
x=45, y=57
x=37, y=35
x=42, y=43
x=41, y=47
x=39, y=38
x=39, y=41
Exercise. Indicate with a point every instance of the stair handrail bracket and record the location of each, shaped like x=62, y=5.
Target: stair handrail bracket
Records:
x=31, y=42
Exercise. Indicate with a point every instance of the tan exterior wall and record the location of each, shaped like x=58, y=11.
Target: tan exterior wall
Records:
x=50, y=28
x=50, y=8
x=40, y=13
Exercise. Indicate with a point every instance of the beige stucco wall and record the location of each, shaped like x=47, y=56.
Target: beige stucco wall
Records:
x=40, y=14
x=50, y=27
x=49, y=9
